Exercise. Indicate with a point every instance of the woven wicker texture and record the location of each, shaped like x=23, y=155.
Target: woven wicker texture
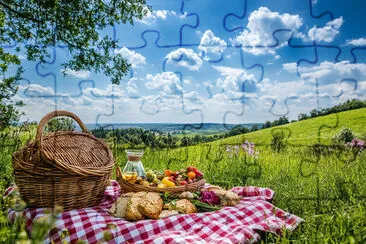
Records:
x=65, y=168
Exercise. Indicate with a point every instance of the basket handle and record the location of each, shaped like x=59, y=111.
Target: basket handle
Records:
x=52, y=115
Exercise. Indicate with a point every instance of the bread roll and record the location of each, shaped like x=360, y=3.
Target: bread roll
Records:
x=151, y=205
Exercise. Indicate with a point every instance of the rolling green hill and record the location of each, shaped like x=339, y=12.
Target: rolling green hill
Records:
x=311, y=131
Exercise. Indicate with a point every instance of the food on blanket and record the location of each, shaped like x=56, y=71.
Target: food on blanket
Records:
x=186, y=195
x=132, y=211
x=151, y=205
x=227, y=198
x=210, y=197
x=182, y=206
x=118, y=208
x=198, y=173
x=144, y=183
x=161, y=185
x=212, y=187
x=205, y=207
x=167, y=178
x=185, y=206
x=152, y=178
x=184, y=176
x=168, y=172
x=183, y=183
x=191, y=175
x=191, y=168
x=139, y=179
x=137, y=206
x=168, y=182
x=167, y=213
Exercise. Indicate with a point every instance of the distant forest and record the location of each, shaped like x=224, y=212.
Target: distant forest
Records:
x=137, y=137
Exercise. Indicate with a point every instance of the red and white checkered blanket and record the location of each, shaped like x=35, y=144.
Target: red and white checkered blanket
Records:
x=238, y=224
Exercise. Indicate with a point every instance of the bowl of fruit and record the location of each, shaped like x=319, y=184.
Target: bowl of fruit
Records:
x=189, y=179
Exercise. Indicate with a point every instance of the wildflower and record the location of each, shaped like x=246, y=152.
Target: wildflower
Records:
x=249, y=148
x=232, y=150
x=357, y=144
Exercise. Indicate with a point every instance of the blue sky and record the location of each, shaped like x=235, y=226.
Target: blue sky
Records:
x=215, y=61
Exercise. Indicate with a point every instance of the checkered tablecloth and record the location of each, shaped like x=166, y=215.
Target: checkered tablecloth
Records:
x=239, y=224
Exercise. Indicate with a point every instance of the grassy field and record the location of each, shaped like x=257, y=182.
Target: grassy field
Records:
x=311, y=131
x=325, y=185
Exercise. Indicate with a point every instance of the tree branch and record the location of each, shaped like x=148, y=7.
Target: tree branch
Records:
x=17, y=12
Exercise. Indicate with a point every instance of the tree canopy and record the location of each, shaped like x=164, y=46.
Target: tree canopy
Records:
x=30, y=27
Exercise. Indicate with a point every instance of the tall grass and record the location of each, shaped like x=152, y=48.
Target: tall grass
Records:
x=325, y=185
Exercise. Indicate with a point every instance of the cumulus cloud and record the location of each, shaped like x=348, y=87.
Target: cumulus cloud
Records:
x=132, y=88
x=357, y=42
x=230, y=71
x=211, y=44
x=134, y=58
x=83, y=74
x=329, y=71
x=153, y=16
x=333, y=80
x=187, y=58
x=261, y=25
x=290, y=67
x=234, y=82
x=111, y=90
x=36, y=90
x=166, y=82
x=326, y=33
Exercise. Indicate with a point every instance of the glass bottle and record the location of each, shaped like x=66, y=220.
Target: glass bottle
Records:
x=134, y=168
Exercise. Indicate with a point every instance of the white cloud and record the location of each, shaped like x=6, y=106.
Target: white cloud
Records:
x=230, y=71
x=193, y=97
x=36, y=90
x=357, y=42
x=110, y=90
x=232, y=82
x=132, y=88
x=338, y=81
x=187, y=81
x=262, y=23
x=134, y=58
x=329, y=71
x=187, y=58
x=326, y=33
x=167, y=82
x=155, y=15
x=290, y=67
x=211, y=44
x=83, y=74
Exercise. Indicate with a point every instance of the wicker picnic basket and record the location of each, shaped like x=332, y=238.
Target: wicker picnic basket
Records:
x=64, y=168
x=129, y=187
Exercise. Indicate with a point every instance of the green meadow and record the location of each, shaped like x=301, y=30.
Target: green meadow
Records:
x=322, y=182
